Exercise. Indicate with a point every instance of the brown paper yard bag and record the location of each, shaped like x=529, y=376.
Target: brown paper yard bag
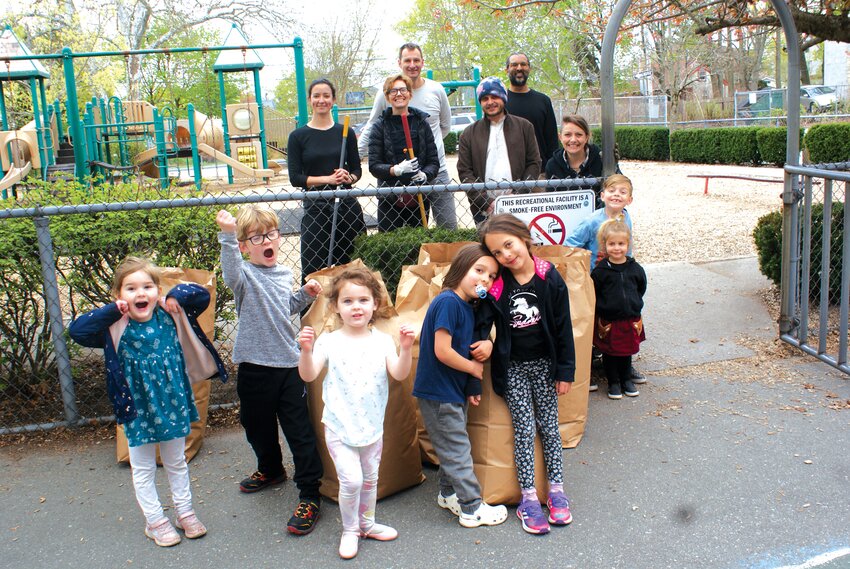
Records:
x=492, y=436
x=417, y=287
x=401, y=467
x=574, y=267
x=440, y=252
x=169, y=278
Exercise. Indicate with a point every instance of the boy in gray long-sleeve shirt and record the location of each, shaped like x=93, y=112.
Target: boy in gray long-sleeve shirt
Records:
x=269, y=387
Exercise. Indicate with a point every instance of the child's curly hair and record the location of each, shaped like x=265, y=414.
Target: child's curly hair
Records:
x=362, y=277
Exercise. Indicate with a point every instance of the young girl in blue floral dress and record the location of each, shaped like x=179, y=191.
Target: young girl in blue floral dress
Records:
x=153, y=349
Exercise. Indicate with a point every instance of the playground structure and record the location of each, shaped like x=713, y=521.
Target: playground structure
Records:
x=115, y=138
x=119, y=139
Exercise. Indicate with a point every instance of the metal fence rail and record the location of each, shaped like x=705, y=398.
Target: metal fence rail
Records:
x=816, y=262
x=57, y=258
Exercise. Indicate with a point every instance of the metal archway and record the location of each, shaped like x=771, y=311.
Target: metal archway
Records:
x=609, y=40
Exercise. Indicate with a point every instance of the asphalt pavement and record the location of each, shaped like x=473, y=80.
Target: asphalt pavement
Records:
x=735, y=454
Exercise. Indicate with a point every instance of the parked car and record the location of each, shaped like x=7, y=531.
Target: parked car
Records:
x=818, y=98
x=461, y=121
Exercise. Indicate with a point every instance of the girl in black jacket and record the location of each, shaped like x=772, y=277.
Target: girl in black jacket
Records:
x=620, y=284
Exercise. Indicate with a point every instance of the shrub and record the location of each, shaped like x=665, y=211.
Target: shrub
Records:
x=828, y=143
x=26, y=350
x=643, y=142
x=450, y=142
x=768, y=240
x=772, y=143
x=733, y=145
x=738, y=145
x=388, y=252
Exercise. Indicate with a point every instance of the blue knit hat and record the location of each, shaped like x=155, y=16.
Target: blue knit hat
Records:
x=492, y=86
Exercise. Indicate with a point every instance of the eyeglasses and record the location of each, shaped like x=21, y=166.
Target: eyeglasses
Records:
x=260, y=239
x=398, y=91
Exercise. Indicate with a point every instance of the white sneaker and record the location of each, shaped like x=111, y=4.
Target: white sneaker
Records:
x=449, y=502
x=348, y=545
x=485, y=515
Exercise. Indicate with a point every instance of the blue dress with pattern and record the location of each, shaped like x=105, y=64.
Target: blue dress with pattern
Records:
x=153, y=363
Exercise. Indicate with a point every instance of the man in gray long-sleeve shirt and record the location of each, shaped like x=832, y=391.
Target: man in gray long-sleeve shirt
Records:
x=269, y=387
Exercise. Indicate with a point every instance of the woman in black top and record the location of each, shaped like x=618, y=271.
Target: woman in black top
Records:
x=313, y=159
x=388, y=161
x=579, y=158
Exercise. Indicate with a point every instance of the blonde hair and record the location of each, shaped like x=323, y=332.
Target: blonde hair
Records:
x=614, y=226
x=388, y=84
x=253, y=218
x=130, y=265
x=615, y=180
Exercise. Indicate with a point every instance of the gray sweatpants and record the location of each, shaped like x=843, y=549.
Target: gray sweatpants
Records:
x=446, y=425
x=443, y=203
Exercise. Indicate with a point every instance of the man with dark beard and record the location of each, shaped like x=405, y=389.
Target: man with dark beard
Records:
x=531, y=105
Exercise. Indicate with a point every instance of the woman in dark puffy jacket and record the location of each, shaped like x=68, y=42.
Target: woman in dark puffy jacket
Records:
x=391, y=164
x=579, y=157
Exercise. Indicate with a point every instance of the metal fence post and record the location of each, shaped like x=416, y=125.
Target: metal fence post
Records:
x=57, y=328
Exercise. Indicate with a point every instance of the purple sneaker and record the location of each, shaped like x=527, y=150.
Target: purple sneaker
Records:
x=531, y=515
x=559, y=509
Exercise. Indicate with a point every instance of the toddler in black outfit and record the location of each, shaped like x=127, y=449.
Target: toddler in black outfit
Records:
x=620, y=284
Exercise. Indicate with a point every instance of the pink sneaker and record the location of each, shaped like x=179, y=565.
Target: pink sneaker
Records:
x=379, y=532
x=162, y=533
x=559, y=509
x=191, y=525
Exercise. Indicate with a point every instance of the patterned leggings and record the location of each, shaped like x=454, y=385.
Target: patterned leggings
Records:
x=532, y=399
x=357, y=469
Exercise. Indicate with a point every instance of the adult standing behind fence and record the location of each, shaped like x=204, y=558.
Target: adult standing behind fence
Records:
x=533, y=106
x=498, y=147
x=429, y=97
x=389, y=161
x=313, y=154
x=579, y=157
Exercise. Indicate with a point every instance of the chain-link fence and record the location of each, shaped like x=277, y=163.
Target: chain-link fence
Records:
x=61, y=243
x=816, y=262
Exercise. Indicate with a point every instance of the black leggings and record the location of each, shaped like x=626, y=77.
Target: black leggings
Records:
x=617, y=368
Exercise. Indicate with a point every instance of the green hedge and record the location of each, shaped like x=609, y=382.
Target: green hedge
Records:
x=768, y=239
x=638, y=142
x=729, y=145
x=388, y=252
x=773, y=144
x=450, y=142
x=828, y=143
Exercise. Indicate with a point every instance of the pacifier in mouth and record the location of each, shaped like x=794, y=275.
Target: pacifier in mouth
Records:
x=480, y=291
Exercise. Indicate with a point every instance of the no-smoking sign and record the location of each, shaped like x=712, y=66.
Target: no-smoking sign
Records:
x=552, y=216
x=547, y=228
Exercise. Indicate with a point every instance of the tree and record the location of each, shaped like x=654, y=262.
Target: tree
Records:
x=179, y=79
x=155, y=24
x=344, y=50
x=47, y=27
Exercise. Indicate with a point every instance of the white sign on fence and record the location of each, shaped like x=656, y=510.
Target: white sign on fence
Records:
x=550, y=216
